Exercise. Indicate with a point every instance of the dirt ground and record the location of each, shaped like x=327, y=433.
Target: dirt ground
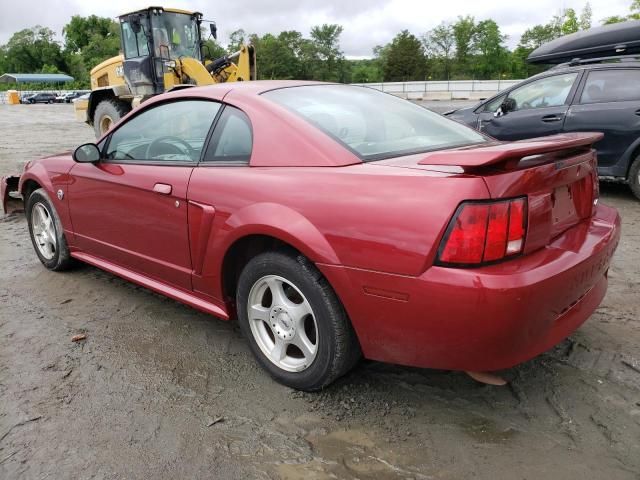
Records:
x=161, y=391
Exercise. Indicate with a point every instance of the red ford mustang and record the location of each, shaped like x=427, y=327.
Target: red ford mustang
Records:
x=334, y=222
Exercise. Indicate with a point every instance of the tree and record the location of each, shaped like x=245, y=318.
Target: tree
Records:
x=439, y=44
x=585, y=17
x=488, y=44
x=29, y=50
x=634, y=15
x=328, y=61
x=570, y=22
x=365, y=71
x=80, y=31
x=463, y=31
x=88, y=42
x=277, y=58
x=237, y=38
x=212, y=49
x=404, y=58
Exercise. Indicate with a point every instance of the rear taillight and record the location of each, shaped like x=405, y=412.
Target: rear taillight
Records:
x=484, y=232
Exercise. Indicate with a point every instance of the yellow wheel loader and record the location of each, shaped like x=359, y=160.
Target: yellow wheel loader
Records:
x=162, y=50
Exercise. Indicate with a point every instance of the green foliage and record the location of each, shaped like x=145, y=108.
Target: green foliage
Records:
x=439, y=45
x=289, y=55
x=88, y=41
x=29, y=50
x=633, y=15
x=565, y=23
x=365, y=71
x=212, y=49
x=585, y=17
x=463, y=31
x=404, y=59
x=237, y=38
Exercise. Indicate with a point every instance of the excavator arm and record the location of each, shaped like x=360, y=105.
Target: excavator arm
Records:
x=237, y=67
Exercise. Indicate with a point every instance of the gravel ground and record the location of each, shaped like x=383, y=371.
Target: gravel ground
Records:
x=158, y=390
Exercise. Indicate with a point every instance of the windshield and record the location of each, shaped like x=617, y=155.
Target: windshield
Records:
x=373, y=124
x=175, y=34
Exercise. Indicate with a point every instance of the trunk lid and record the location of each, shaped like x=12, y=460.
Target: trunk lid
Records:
x=557, y=174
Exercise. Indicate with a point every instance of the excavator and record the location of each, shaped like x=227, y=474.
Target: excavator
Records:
x=161, y=50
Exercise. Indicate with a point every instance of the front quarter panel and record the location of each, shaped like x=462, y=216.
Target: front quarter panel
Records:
x=52, y=174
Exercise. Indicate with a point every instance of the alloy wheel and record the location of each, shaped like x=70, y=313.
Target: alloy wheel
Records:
x=282, y=323
x=43, y=231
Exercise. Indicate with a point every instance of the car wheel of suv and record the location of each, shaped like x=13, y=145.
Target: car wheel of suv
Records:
x=46, y=232
x=634, y=177
x=294, y=323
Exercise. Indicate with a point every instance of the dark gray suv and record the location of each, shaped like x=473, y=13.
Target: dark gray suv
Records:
x=583, y=95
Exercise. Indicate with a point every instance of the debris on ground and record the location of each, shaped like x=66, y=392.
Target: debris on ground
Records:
x=215, y=420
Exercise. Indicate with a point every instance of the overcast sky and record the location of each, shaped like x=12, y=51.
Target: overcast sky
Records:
x=367, y=23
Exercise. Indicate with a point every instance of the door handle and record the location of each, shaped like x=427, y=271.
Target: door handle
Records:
x=552, y=118
x=637, y=112
x=162, y=188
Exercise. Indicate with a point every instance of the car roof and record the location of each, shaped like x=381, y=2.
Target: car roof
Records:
x=255, y=87
x=269, y=120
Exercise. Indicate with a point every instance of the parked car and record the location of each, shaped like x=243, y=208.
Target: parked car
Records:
x=335, y=221
x=587, y=95
x=67, y=97
x=42, y=97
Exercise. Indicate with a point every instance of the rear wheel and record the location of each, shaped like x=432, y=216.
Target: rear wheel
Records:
x=294, y=323
x=634, y=177
x=46, y=232
x=107, y=113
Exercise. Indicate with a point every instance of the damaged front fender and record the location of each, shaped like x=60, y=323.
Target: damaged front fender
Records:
x=11, y=198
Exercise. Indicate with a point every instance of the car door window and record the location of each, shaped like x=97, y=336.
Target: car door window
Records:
x=611, y=86
x=232, y=139
x=170, y=132
x=547, y=92
x=493, y=105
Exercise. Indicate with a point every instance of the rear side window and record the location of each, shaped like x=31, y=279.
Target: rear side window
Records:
x=372, y=124
x=232, y=140
x=611, y=86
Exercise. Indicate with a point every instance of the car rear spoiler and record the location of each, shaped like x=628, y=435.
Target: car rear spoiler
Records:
x=11, y=198
x=503, y=152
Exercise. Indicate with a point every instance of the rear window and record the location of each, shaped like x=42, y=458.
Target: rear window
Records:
x=373, y=124
x=611, y=86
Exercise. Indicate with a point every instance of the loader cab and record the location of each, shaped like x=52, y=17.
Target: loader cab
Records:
x=151, y=39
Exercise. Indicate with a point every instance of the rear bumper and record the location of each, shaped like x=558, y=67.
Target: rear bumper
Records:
x=11, y=199
x=482, y=319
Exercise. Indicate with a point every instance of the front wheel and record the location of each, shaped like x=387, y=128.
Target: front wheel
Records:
x=634, y=177
x=46, y=232
x=295, y=324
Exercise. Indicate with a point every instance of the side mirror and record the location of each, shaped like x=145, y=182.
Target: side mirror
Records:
x=87, y=153
x=508, y=105
x=214, y=30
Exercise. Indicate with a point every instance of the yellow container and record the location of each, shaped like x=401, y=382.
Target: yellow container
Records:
x=12, y=97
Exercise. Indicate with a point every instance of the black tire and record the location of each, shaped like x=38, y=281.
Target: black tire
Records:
x=61, y=259
x=108, y=111
x=338, y=349
x=634, y=177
